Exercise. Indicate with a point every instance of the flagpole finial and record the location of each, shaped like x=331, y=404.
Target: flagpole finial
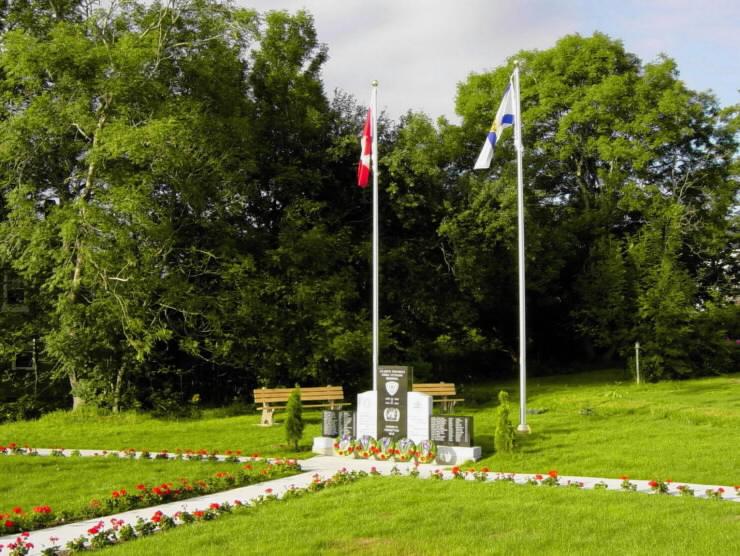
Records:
x=375, y=83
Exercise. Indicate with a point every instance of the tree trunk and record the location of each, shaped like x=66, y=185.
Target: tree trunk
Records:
x=117, y=390
x=77, y=401
x=73, y=294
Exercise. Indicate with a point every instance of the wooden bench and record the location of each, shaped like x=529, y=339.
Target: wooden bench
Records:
x=275, y=398
x=441, y=392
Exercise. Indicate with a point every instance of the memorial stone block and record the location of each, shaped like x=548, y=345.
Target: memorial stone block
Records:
x=330, y=423
x=393, y=383
x=346, y=423
x=367, y=422
x=419, y=412
x=338, y=423
x=451, y=430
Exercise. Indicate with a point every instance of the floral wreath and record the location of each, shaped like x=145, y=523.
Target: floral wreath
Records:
x=345, y=446
x=366, y=447
x=426, y=451
x=385, y=449
x=405, y=449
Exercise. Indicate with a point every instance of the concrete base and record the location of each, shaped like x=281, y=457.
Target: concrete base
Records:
x=323, y=445
x=455, y=455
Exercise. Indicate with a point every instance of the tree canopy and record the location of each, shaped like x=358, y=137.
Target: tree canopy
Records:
x=178, y=203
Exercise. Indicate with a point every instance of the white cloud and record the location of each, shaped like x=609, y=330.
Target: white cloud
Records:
x=419, y=50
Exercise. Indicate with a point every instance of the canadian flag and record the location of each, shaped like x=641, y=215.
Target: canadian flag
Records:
x=363, y=169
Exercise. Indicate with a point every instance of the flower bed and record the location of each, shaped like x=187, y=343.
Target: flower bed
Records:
x=232, y=456
x=102, y=535
x=140, y=496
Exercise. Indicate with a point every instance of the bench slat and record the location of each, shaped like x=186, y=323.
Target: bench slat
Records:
x=439, y=388
x=324, y=393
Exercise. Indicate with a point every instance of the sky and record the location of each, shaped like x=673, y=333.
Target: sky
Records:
x=419, y=50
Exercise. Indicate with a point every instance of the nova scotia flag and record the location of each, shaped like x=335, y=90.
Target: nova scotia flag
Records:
x=504, y=118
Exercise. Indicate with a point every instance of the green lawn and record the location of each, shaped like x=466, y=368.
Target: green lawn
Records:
x=70, y=483
x=410, y=516
x=593, y=424
x=596, y=425
x=143, y=432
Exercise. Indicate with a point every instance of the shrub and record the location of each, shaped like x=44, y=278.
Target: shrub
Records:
x=294, y=418
x=504, y=437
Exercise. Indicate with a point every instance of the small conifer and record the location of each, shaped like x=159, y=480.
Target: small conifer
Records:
x=294, y=418
x=504, y=436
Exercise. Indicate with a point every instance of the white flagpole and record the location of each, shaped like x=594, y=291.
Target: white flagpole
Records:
x=376, y=303
x=523, y=427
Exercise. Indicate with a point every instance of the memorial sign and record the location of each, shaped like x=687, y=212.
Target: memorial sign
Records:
x=330, y=423
x=338, y=423
x=451, y=430
x=393, y=385
x=346, y=423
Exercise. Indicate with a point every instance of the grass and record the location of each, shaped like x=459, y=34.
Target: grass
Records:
x=596, y=425
x=64, y=429
x=411, y=516
x=70, y=483
x=593, y=424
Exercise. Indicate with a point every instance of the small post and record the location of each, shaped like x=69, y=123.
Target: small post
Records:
x=637, y=361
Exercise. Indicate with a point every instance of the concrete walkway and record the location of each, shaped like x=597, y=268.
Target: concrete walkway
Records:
x=325, y=467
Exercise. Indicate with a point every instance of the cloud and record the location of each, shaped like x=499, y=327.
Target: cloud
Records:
x=420, y=49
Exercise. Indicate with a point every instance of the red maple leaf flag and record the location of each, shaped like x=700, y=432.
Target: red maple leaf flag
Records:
x=363, y=169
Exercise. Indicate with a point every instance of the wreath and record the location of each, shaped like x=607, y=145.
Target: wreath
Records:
x=426, y=451
x=345, y=446
x=385, y=449
x=366, y=447
x=405, y=450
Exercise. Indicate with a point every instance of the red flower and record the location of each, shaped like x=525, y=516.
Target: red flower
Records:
x=42, y=510
x=122, y=492
x=214, y=506
x=624, y=478
x=268, y=490
x=538, y=477
x=157, y=517
x=455, y=470
x=93, y=531
x=484, y=469
x=552, y=473
x=653, y=484
x=198, y=513
x=17, y=510
x=720, y=490
x=115, y=494
x=140, y=487
x=9, y=524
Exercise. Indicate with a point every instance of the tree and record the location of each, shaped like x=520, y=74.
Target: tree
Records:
x=618, y=155
x=105, y=163
x=294, y=418
x=503, y=439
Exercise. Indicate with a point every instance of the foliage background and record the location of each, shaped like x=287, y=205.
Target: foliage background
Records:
x=178, y=205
